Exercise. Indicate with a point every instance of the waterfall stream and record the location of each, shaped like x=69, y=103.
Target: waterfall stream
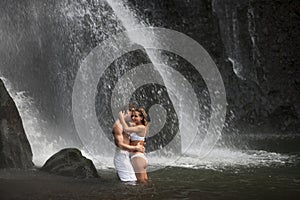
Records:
x=55, y=59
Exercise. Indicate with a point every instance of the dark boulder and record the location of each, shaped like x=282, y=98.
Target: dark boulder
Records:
x=15, y=150
x=70, y=162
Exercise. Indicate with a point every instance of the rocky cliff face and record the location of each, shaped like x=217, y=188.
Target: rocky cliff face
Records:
x=261, y=40
x=15, y=150
x=254, y=44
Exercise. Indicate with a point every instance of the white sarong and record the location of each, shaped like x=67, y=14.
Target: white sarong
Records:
x=123, y=165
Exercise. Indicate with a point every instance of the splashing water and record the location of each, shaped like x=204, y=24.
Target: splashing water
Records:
x=39, y=131
x=183, y=103
x=218, y=157
x=35, y=127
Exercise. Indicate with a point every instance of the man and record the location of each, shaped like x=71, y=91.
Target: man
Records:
x=121, y=159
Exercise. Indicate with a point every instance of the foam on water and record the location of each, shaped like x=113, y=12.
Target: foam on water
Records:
x=217, y=159
x=222, y=158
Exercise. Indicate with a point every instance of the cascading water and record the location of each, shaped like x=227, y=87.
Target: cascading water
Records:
x=81, y=21
x=233, y=35
x=40, y=64
x=129, y=21
x=191, y=157
x=37, y=130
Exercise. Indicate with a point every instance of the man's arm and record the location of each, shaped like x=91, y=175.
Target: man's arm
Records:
x=118, y=137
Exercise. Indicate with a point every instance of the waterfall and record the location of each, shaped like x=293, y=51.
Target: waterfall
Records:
x=42, y=50
x=193, y=156
x=237, y=29
x=38, y=131
x=186, y=111
x=252, y=32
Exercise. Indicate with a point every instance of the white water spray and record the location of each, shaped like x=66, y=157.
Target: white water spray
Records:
x=217, y=157
x=39, y=136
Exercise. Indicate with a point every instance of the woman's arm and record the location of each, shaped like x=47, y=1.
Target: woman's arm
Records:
x=135, y=129
x=118, y=137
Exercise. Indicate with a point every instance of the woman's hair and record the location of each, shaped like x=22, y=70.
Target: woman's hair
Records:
x=142, y=113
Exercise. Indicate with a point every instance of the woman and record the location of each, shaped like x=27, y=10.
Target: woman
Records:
x=122, y=160
x=137, y=134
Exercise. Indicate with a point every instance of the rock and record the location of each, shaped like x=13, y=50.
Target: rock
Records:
x=70, y=162
x=265, y=31
x=263, y=37
x=15, y=150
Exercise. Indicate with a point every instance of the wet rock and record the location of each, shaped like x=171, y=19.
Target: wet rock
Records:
x=270, y=55
x=15, y=150
x=260, y=37
x=70, y=162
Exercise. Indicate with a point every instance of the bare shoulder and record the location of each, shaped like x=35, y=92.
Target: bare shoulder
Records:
x=141, y=127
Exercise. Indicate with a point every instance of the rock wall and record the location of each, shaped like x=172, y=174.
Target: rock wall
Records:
x=262, y=40
x=15, y=150
x=254, y=44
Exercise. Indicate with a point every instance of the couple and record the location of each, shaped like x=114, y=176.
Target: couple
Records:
x=129, y=133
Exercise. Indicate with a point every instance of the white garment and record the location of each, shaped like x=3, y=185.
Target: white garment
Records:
x=136, y=137
x=123, y=165
x=141, y=155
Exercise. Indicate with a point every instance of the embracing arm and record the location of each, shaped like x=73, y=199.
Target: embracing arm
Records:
x=118, y=137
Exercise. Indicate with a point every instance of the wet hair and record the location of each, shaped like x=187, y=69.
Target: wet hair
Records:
x=129, y=107
x=143, y=114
